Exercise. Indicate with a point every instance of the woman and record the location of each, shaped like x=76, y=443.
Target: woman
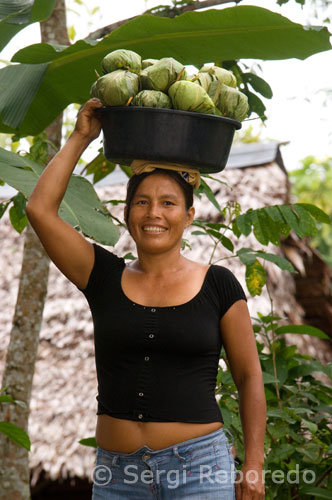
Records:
x=159, y=325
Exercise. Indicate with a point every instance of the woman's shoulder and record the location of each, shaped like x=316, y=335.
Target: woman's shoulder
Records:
x=103, y=256
x=225, y=280
x=222, y=271
x=107, y=265
x=225, y=287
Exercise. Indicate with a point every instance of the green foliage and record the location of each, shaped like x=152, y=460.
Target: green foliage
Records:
x=302, y=329
x=99, y=167
x=12, y=431
x=17, y=212
x=63, y=75
x=267, y=224
x=255, y=278
x=299, y=435
x=39, y=150
x=80, y=207
x=15, y=16
x=91, y=441
x=312, y=184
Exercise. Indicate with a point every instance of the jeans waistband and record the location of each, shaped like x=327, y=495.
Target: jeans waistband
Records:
x=218, y=435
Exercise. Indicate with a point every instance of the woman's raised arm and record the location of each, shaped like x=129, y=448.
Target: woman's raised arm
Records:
x=66, y=247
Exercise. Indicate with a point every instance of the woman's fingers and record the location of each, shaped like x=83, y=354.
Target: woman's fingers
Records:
x=93, y=103
x=88, y=124
x=249, y=485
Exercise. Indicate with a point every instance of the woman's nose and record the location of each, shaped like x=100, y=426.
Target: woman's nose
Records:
x=154, y=209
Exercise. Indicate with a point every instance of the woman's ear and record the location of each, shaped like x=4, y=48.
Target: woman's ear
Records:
x=190, y=216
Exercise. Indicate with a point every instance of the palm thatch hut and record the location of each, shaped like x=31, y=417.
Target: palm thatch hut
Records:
x=63, y=404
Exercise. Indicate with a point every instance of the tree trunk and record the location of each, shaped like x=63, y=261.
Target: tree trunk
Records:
x=24, y=337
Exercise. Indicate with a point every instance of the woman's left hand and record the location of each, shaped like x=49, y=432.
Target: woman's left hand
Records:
x=249, y=483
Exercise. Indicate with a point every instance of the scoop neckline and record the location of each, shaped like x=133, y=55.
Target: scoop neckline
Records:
x=166, y=307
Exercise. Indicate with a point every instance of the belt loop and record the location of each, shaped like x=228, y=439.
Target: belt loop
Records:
x=114, y=460
x=176, y=453
x=231, y=436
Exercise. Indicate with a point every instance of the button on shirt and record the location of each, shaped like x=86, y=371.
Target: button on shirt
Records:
x=157, y=363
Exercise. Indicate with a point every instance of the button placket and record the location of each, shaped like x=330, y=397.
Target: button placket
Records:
x=141, y=402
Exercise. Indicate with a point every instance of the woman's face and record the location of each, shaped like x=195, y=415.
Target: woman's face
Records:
x=158, y=214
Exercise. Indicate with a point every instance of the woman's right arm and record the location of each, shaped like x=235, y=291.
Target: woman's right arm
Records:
x=66, y=247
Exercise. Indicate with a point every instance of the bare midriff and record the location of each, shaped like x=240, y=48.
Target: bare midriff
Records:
x=127, y=436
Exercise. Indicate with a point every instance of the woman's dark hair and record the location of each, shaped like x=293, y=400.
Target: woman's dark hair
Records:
x=136, y=180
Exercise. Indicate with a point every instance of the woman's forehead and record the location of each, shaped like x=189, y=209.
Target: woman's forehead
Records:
x=163, y=184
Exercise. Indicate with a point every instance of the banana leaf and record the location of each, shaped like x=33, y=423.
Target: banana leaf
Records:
x=233, y=33
x=15, y=16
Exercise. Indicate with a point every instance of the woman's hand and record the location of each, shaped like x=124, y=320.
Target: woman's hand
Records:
x=88, y=125
x=249, y=483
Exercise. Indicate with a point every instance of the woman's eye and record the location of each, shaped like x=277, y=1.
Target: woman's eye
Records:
x=140, y=202
x=169, y=203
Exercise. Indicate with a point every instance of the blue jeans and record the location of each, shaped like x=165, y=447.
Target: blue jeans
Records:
x=199, y=469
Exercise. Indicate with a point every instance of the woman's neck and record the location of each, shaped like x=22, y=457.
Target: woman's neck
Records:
x=161, y=263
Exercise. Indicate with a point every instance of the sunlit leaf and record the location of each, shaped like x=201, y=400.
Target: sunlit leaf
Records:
x=255, y=278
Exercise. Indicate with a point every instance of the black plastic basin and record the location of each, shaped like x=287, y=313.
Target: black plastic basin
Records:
x=196, y=139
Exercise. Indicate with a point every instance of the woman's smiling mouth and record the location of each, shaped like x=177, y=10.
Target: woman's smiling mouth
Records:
x=154, y=229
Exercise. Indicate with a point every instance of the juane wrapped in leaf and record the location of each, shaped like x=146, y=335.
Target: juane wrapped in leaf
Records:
x=230, y=102
x=189, y=96
x=122, y=59
x=162, y=74
x=204, y=80
x=114, y=89
x=152, y=99
x=93, y=90
x=148, y=62
x=222, y=74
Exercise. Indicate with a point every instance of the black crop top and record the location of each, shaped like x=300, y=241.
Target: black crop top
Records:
x=157, y=364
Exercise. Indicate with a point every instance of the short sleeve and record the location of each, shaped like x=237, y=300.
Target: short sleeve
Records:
x=228, y=287
x=106, y=265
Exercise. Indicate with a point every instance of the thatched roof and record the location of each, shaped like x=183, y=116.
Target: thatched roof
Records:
x=63, y=404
